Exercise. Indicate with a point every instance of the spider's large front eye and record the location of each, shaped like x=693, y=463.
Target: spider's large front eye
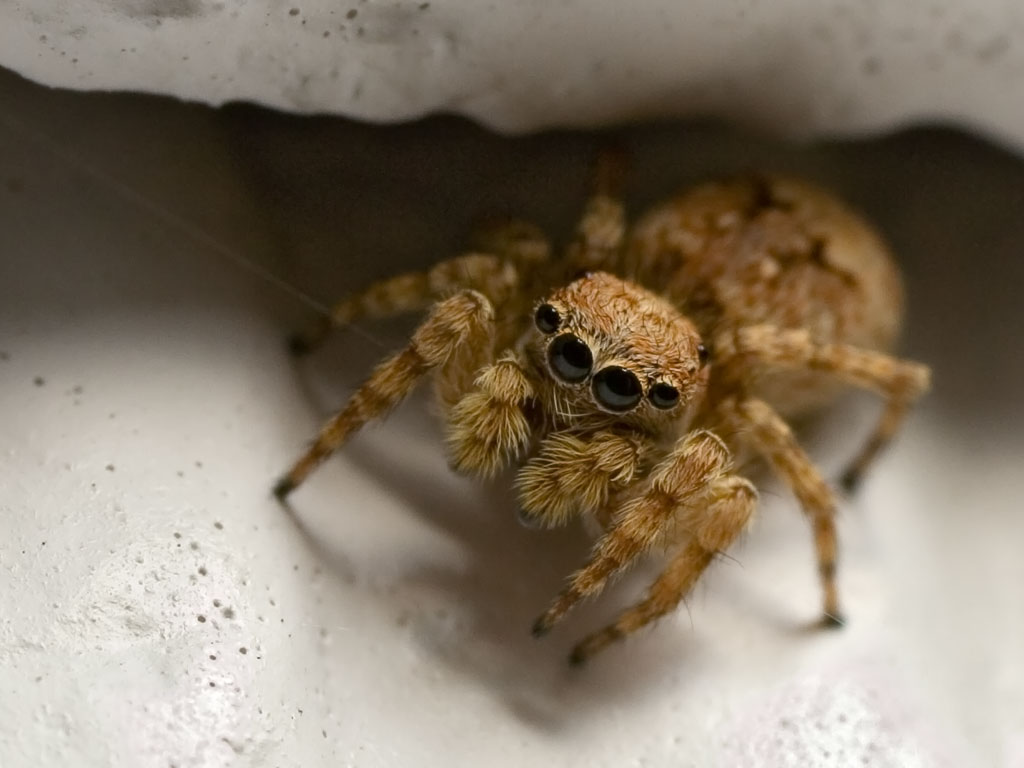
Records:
x=664, y=396
x=570, y=358
x=547, y=318
x=617, y=389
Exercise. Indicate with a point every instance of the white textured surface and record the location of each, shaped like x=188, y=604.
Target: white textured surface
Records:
x=800, y=67
x=390, y=628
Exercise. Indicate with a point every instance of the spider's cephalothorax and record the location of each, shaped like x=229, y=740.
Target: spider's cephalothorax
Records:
x=623, y=391
x=605, y=351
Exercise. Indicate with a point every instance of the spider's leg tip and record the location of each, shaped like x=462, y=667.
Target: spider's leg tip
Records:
x=578, y=657
x=850, y=481
x=298, y=345
x=528, y=520
x=283, y=487
x=833, y=620
x=541, y=626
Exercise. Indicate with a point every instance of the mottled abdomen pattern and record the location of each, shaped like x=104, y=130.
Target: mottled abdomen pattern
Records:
x=773, y=251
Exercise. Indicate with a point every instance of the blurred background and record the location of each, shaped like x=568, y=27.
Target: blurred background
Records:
x=158, y=609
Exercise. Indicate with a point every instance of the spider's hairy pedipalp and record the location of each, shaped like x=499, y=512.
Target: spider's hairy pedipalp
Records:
x=487, y=427
x=571, y=473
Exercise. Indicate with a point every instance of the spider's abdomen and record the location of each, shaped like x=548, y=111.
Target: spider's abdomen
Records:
x=771, y=251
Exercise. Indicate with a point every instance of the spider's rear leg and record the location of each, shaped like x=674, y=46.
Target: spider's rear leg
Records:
x=601, y=231
x=514, y=240
x=765, y=431
x=678, y=485
x=464, y=321
x=494, y=276
x=712, y=529
x=900, y=382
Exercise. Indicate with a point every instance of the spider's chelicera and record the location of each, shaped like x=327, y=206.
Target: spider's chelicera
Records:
x=598, y=388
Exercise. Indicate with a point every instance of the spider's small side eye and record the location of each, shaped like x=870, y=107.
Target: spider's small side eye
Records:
x=617, y=389
x=702, y=353
x=664, y=396
x=570, y=358
x=547, y=318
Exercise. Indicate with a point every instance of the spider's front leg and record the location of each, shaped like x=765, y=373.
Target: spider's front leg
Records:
x=730, y=504
x=757, y=424
x=575, y=472
x=455, y=327
x=513, y=253
x=692, y=489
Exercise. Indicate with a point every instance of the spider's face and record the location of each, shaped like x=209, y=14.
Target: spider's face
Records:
x=609, y=347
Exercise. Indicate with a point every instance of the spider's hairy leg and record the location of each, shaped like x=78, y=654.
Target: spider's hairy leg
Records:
x=466, y=318
x=487, y=427
x=573, y=472
x=712, y=529
x=679, y=484
x=757, y=424
x=900, y=382
x=491, y=275
x=895, y=412
x=601, y=231
x=520, y=242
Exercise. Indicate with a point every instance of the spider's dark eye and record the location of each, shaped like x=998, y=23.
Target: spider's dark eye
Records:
x=570, y=358
x=702, y=353
x=664, y=396
x=547, y=318
x=617, y=389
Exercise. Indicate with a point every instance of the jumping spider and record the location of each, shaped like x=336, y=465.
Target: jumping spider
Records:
x=622, y=377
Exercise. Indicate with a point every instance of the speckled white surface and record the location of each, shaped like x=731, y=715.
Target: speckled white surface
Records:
x=158, y=609
x=800, y=67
